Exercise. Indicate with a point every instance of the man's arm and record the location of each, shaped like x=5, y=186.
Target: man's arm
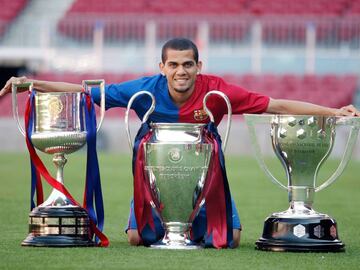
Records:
x=282, y=106
x=43, y=86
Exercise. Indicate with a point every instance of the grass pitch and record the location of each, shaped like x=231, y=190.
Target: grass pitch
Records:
x=256, y=197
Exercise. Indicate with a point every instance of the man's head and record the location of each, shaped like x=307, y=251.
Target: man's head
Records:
x=180, y=64
x=179, y=44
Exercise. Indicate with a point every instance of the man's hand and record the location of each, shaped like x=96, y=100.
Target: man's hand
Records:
x=348, y=110
x=7, y=88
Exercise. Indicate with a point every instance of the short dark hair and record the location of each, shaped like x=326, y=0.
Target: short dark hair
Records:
x=179, y=44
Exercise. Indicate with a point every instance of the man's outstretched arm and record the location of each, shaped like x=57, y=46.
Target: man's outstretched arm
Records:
x=43, y=86
x=283, y=106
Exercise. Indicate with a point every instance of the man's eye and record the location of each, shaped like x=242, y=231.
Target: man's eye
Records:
x=188, y=65
x=172, y=65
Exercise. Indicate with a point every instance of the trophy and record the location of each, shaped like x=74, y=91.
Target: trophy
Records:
x=302, y=143
x=58, y=128
x=176, y=165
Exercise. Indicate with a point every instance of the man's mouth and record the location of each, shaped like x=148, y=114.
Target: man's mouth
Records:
x=181, y=80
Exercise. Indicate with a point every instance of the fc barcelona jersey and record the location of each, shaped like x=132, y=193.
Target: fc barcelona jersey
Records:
x=242, y=101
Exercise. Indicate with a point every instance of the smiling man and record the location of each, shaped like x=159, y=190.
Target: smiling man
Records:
x=180, y=68
x=179, y=92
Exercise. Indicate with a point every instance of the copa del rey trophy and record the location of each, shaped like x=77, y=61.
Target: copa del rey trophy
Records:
x=302, y=143
x=176, y=164
x=58, y=128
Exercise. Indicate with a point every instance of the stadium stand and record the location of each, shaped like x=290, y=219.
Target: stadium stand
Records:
x=8, y=12
x=255, y=7
x=283, y=21
x=328, y=90
x=305, y=7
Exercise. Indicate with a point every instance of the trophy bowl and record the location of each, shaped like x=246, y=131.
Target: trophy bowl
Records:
x=302, y=143
x=58, y=128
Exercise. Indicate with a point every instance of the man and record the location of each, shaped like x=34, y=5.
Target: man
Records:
x=179, y=91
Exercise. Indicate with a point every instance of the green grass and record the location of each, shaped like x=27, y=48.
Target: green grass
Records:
x=256, y=197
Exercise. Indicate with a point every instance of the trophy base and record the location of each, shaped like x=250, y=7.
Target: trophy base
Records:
x=55, y=241
x=188, y=245
x=58, y=227
x=313, y=234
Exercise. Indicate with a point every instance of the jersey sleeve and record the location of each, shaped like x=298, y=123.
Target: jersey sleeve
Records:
x=118, y=95
x=242, y=100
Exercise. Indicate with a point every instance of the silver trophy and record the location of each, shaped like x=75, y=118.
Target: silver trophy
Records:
x=302, y=143
x=59, y=128
x=176, y=163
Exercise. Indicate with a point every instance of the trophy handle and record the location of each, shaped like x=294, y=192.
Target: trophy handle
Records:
x=264, y=119
x=146, y=116
x=347, y=153
x=15, y=109
x=101, y=84
x=229, y=113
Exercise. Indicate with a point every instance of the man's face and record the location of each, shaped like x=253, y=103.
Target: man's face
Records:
x=180, y=70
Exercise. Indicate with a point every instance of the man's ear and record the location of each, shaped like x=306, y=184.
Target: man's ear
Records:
x=199, y=67
x=161, y=67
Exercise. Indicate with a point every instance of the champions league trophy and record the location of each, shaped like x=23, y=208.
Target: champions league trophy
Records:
x=302, y=143
x=176, y=163
x=59, y=128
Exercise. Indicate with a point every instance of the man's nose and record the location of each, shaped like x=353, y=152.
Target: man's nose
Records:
x=180, y=70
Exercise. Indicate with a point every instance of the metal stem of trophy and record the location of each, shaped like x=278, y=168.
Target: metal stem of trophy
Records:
x=176, y=163
x=59, y=129
x=302, y=143
x=60, y=161
x=57, y=198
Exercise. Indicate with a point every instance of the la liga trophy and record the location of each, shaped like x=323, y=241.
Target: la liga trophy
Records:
x=58, y=129
x=302, y=143
x=176, y=164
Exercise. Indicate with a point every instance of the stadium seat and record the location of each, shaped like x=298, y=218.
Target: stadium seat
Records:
x=81, y=19
x=8, y=12
x=126, y=21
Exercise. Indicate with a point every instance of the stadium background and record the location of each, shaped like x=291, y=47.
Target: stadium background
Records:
x=305, y=50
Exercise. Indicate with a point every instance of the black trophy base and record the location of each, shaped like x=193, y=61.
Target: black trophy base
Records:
x=58, y=227
x=315, y=234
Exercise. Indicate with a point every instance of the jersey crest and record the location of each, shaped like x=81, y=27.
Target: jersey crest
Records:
x=200, y=115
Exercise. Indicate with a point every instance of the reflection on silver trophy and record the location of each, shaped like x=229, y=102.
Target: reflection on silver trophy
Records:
x=302, y=143
x=58, y=129
x=176, y=163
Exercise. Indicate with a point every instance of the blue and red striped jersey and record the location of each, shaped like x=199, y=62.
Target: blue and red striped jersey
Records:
x=242, y=100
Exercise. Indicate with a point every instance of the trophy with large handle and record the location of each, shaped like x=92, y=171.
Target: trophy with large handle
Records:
x=56, y=124
x=176, y=166
x=302, y=143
